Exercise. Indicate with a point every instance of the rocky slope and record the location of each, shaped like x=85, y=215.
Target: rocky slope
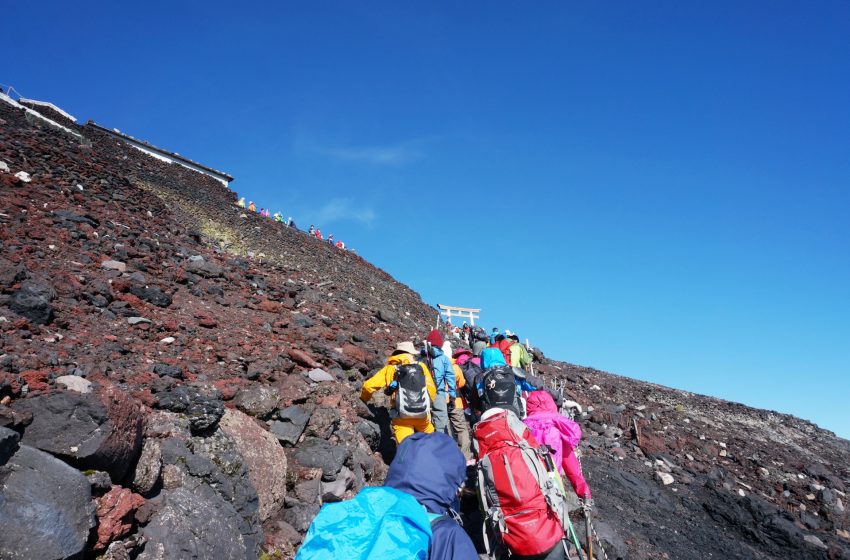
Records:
x=180, y=380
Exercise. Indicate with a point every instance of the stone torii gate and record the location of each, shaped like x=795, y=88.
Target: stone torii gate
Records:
x=449, y=311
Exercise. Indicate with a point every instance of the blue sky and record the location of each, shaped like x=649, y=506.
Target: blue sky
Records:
x=657, y=189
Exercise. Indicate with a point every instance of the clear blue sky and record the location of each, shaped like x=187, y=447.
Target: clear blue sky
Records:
x=659, y=189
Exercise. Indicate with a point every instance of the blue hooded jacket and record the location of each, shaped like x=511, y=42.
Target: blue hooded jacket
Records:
x=431, y=468
x=444, y=373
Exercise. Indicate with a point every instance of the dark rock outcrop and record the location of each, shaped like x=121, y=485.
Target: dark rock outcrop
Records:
x=46, y=510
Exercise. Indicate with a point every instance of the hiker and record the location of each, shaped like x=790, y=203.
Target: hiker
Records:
x=519, y=354
x=278, y=217
x=290, y=222
x=241, y=202
x=318, y=234
x=561, y=435
x=405, y=419
x=312, y=230
x=493, y=334
x=503, y=344
x=430, y=468
x=330, y=239
x=457, y=415
x=444, y=379
x=479, y=339
x=340, y=244
x=412, y=516
x=525, y=508
x=252, y=207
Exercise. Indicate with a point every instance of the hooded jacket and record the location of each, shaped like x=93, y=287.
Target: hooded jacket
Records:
x=444, y=373
x=430, y=468
x=560, y=433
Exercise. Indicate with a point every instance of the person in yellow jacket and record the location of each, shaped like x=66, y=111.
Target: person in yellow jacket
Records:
x=404, y=353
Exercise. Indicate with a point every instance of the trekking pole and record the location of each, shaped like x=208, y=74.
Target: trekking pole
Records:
x=588, y=529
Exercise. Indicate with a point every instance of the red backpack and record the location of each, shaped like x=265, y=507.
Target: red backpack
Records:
x=523, y=505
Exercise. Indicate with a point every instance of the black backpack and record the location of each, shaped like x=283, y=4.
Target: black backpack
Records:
x=498, y=389
x=470, y=375
x=411, y=398
x=478, y=333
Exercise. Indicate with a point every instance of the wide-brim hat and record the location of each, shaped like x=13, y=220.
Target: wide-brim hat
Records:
x=405, y=347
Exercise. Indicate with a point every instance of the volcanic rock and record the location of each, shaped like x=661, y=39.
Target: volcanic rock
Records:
x=263, y=457
x=115, y=512
x=46, y=510
x=102, y=432
x=318, y=453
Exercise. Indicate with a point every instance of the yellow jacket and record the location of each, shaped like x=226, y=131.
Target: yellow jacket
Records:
x=460, y=381
x=386, y=374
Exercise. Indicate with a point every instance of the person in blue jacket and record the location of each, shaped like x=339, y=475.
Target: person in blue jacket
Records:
x=444, y=379
x=432, y=469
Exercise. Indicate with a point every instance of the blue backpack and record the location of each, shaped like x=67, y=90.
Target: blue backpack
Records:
x=379, y=523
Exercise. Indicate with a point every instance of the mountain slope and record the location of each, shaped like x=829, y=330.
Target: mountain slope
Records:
x=197, y=330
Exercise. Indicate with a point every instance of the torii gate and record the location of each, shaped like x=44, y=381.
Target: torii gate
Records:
x=450, y=311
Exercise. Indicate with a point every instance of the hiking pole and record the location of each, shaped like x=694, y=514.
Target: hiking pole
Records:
x=588, y=529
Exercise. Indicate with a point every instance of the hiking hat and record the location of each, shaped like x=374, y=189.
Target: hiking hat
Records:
x=434, y=338
x=460, y=352
x=405, y=347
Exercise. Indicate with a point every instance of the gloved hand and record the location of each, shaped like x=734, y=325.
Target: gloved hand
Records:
x=586, y=503
x=391, y=388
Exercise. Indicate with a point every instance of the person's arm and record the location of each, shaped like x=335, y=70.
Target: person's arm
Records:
x=573, y=472
x=449, y=377
x=376, y=383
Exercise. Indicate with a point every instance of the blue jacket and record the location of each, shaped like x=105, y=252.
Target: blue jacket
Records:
x=444, y=373
x=430, y=468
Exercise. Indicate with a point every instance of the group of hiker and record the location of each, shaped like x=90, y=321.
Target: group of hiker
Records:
x=278, y=217
x=468, y=421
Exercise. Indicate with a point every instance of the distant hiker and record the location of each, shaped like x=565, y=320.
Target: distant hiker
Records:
x=318, y=234
x=411, y=389
x=493, y=335
x=430, y=468
x=479, y=339
x=312, y=230
x=290, y=222
x=331, y=239
x=252, y=207
x=241, y=202
x=278, y=217
x=457, y=416
x=561, y=434
x=444, y=379
x=525, y=508
x=519, y=354
x=340, y=245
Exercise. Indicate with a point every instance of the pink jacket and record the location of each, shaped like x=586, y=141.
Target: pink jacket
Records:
x=558, y=432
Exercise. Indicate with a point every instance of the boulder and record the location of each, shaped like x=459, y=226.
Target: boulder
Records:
x=319, y=454
x=152, y=295
x=257, y=400
x=323, y=422
x=8, y=444
x=202, y=410
x=303, y=359
x=263, y=457
x=115, y=511
x=46, y=510
x=91, y=431
x=292, y=422
x=194, y=523
x=33, y=302
x=167, y=370
x=74, y=383
x=205, y=268
x=148, y=467
x=335, y=491
x=319, y=375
